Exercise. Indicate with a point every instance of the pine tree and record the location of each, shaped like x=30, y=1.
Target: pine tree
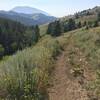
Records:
x=37, y=33
x=76, y=16
x=71, y=24
x=79, y=25
x=98, y=17
x=54, y=28
x=57, y=29
x=0, y=30
x=49, y=30
x=95, y=23
x=1, y=51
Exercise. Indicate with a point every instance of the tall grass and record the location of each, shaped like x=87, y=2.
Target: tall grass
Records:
x=25, y=75
x=85, y=47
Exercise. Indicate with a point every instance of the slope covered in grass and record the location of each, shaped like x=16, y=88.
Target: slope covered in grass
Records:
x=82, y=49
x=26, y=75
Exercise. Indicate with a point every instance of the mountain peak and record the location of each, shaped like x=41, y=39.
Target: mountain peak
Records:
x=28, y=10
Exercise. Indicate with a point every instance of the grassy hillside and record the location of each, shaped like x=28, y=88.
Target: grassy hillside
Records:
x=25, y=75
x=28, y=72
x=82, y=55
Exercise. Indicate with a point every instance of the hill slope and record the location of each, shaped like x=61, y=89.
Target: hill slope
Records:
x=35, y=18
x=76, y=75
x=28, y=10
x=65, y=67
x=76, y=68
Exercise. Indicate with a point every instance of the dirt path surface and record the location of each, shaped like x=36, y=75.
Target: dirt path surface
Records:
x=64, y=88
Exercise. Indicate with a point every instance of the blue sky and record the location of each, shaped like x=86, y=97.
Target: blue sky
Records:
x=57, y=8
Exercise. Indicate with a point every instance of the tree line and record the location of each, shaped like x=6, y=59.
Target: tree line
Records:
x=58, y=27
x=15, y=36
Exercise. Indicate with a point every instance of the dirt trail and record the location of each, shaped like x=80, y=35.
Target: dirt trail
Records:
x=64, y=87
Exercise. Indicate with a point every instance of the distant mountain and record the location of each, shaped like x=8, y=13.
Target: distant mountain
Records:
x=28, y=10
x=27, y=16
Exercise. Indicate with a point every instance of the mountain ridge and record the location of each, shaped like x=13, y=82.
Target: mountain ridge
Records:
x=28, y=10
x=38, y=18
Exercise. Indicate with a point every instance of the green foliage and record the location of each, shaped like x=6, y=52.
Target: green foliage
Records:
x=96, y=24
x=37, y=33
x=15, y=36
x=98, y=16
x=76, y=15
x=54, y=28
x=25, y=75
x=71, y=25
x=1, y=51
x=95, y=86
x=85, y=23
x=14, y=47
x=43, y=29
x=57, y=30
x=49, y=31
x=79, y=25
x=57, y=27
x=86, y=18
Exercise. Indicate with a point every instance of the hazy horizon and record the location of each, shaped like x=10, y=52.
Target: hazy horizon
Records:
x=58, y=8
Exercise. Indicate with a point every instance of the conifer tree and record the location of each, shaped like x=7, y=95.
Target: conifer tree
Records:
x=57, y=30
x=98, y=17
x=37, y=33
x=71, y=24
x=79, y=25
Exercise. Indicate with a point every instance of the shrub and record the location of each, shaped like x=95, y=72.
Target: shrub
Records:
x=97, y=42
x=77, y=71
x=25, y=75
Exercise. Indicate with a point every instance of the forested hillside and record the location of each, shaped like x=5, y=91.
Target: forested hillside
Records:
x=15, y=36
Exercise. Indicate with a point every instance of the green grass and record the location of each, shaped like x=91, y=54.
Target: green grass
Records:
x=43, y=29
x=83, y=52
